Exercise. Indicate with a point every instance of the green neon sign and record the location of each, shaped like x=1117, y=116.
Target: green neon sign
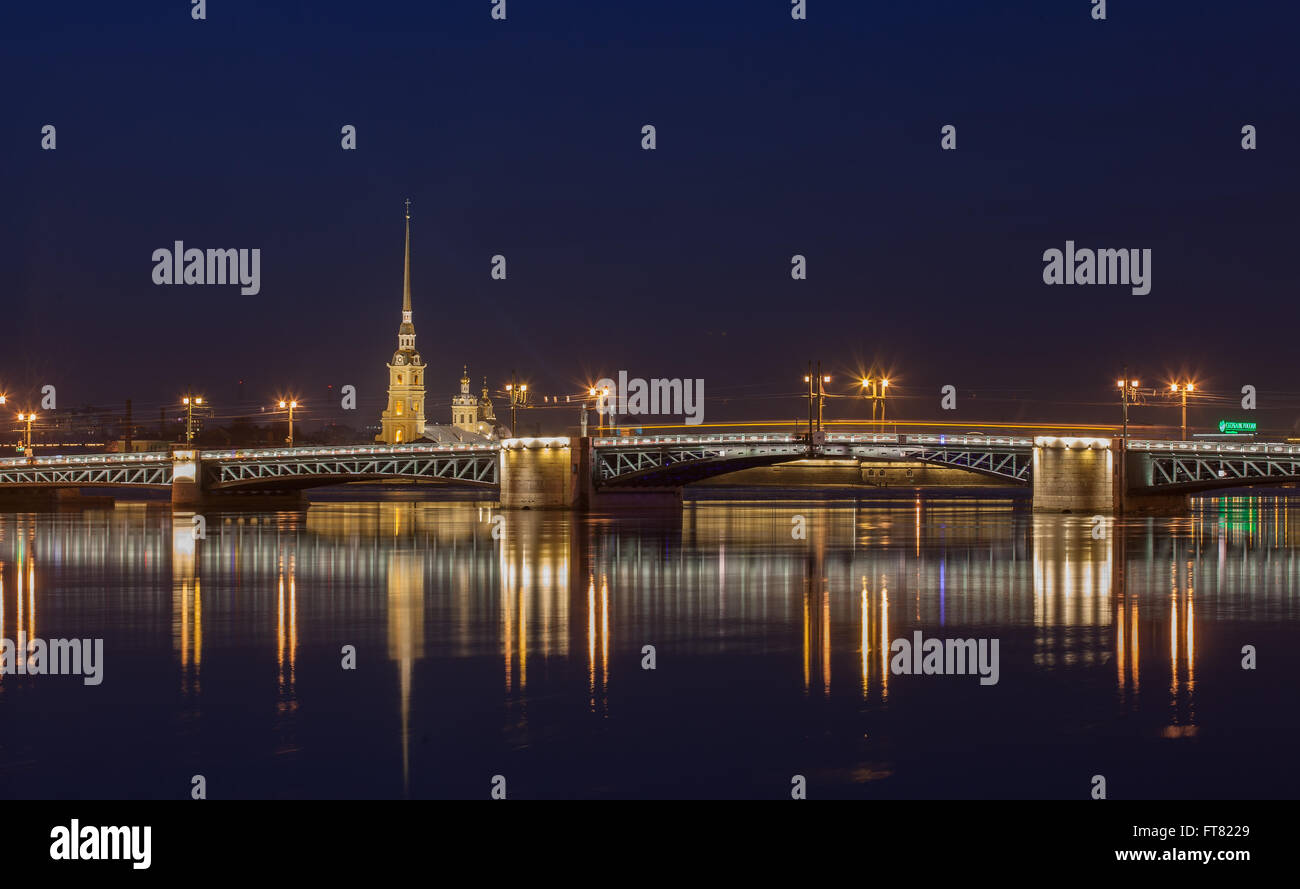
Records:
x=1236, y=427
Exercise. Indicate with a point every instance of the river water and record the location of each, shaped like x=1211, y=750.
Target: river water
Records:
x=441, y=649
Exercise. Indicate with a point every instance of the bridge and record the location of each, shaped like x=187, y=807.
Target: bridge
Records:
x=1064, y=473
x=268, y=470
x=680, y=460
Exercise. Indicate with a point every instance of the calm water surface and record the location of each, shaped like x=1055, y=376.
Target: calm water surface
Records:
x=522, y=656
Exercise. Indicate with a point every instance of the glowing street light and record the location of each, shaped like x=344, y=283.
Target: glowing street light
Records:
x=518, y=394
x=190, y=401
x=874, y=390
x=1128, y=391
x=820, y=394
x=600, y=398
x=290, y=405
x=28, y=418
x=1183, y=388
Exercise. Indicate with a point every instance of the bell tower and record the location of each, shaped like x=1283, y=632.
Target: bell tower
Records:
x=403, y=420
x=464, y=407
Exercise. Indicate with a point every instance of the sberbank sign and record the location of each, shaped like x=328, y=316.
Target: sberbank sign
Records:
x=1234, y=427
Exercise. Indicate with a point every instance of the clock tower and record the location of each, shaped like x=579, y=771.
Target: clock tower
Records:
x=403, y=419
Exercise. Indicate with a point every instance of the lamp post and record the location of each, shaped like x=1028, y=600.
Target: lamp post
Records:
x=190, y=401
x=27, y=439
x=818, y=393
x=808, y=378
x=822, y=379
x=593, y=394
x=816, y=390
x=290, y=405
x=1183, y=388
x=518, y=393
x=603, y=406
x=875, y=390
x=1128, y=391
x=1127, y=395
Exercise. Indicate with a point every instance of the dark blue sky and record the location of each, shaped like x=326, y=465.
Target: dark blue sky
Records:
x=776, y=137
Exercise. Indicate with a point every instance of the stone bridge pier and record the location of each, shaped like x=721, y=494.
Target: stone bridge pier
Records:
x=1092, y=476
x=557, y=473
x=187, y=480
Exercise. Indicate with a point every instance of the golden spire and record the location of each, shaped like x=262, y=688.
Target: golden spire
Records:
x=406, y=282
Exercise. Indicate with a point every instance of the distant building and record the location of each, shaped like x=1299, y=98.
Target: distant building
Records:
x=464, y=407
x=136, y=446
x=403, y=420
x=472, y=414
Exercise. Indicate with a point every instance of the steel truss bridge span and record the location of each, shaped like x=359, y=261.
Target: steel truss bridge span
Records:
x=296, y=468
x=679, y=460
x=1201, y=466
x=268, y=468
x=151, y=470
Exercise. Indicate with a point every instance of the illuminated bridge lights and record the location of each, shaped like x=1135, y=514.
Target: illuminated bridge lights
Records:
x=1072, y=442
x=654, y=459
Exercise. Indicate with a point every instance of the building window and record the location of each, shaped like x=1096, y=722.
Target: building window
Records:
x=399, y=434
x=399, y=379
x=397, y=406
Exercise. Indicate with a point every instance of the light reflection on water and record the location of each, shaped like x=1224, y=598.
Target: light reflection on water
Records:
x=523, y=655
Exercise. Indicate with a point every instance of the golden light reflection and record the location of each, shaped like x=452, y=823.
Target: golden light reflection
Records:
x=405, y=580
x=187, y=609
x=807, y=652
x=1133, y=649
x=286, y=632
x=534, y=576
x=884, y=637
x=1120, y=653
x=31, y=598
x=1191, y=643
x=866, y=640
x=1073, y=576
x=26, y=616
x=604, y=631
x=591, y=639
x=826, y=641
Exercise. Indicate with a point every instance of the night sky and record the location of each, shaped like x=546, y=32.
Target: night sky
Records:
x=775, y=137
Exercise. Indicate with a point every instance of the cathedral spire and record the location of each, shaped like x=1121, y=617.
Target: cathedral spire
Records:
x=406, y=279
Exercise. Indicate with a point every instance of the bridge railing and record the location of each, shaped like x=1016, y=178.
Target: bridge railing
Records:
x=349, y=451
x=1216, y=447
x=89, y=459
x=838, y=438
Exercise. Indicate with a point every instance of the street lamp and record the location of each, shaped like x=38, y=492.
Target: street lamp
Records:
x=1183, y=388
x=820, y=394
x=593, y=394
x=603, y=407
x=190, y=402
x=1128, y=390
x=518, y=394
x=27, y=442
x=290, y=405
x=875, y=392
